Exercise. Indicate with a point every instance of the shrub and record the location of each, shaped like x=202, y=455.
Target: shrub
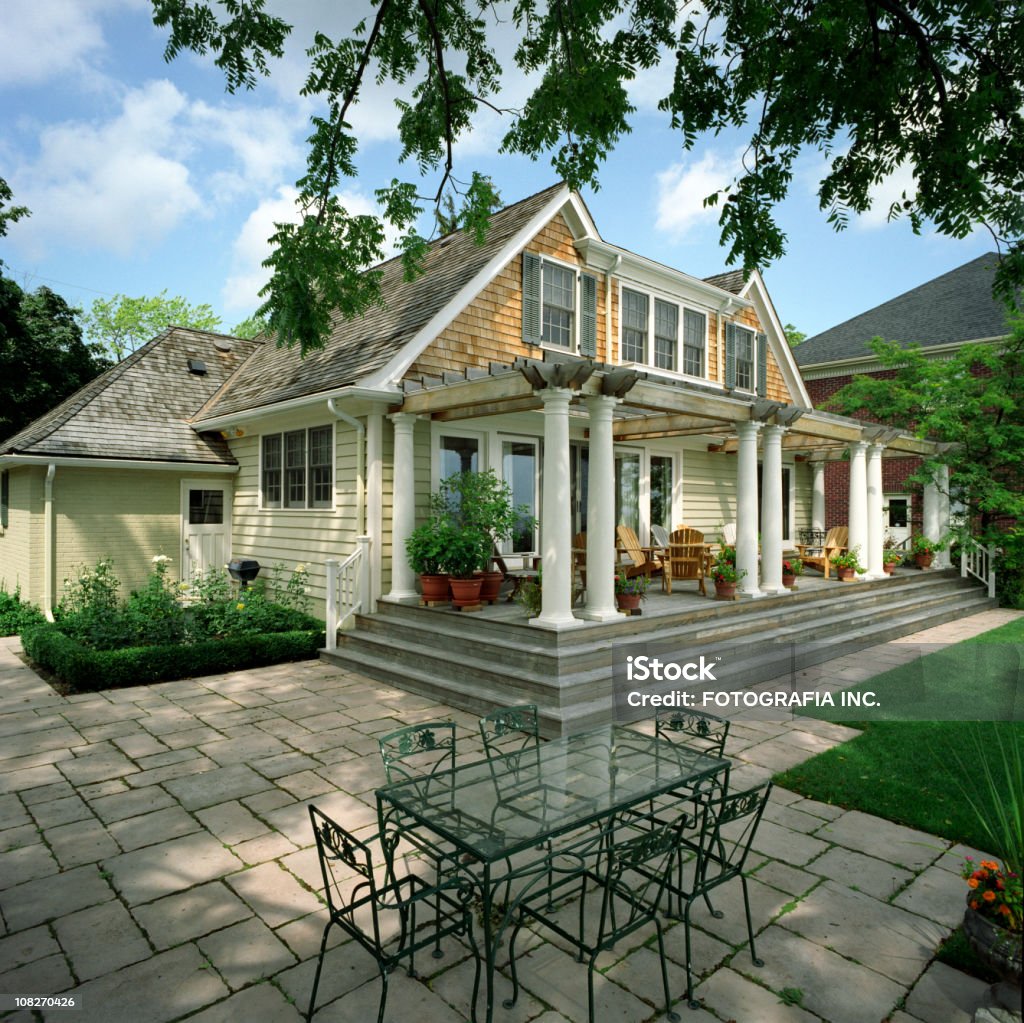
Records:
x=16, y=614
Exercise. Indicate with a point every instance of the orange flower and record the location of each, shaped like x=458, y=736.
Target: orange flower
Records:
x=974, y=903
x=989, y=865
x=989, y=896
x=973, y=883
x=1005, y=910
x=981, y=874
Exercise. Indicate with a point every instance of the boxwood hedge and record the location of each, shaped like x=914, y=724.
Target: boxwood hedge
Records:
x=87, y=670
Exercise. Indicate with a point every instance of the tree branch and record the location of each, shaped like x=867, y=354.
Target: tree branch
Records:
x=442, y=74
x=920, y=37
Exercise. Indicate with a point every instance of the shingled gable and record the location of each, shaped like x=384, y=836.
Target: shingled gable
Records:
x=954, y=308
x=413, y=312
x=731, y=280
x=140, y=408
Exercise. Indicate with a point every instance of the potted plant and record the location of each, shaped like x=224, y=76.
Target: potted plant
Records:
x=890, y=559
x=924, y=550
x=725, y=573
x=847, y=564
x=425, y=550
x=993, y=920
x=629, y=592
x=791, y=568
x=467, y=549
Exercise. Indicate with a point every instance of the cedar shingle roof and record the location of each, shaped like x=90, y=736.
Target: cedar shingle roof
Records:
x=730, y=280
x=140, y=408
x=359, y=346
x=956, y=307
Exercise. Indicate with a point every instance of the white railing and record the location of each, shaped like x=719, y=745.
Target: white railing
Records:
x=348, y=590
x=979, y=561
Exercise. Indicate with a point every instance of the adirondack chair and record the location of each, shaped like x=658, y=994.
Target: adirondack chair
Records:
x=728, y=538
x=686, y=556
x=633, y=559
x=821, y=557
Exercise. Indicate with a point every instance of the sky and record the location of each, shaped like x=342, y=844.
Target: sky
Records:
x=144, y=176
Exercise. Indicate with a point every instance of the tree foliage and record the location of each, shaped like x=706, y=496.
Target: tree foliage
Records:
x=793, y=336
x=250, y=327
x=121, y=324
x=43, y=359
x=12, y=214
x=873, y=86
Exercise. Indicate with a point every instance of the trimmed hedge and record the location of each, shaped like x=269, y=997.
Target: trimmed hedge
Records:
x=87, y=670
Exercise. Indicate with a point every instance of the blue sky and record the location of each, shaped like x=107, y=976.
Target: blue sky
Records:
x=144, y=176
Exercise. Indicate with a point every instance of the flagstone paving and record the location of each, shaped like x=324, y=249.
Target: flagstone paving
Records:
x=156, y=859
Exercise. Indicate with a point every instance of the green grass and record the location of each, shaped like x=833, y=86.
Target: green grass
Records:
x=914, y=772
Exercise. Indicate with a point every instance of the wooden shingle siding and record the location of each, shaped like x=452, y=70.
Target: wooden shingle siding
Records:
x=21, y=543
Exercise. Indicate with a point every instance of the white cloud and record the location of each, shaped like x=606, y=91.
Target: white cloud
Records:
x=889, y=190
x=684, y=186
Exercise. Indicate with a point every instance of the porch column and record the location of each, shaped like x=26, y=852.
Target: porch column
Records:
x=930, y=512
x=858, y=510
x=600, y=513
x=375, y=501
x=403, y=507
x=556, y=535
x=746, y=508
x=942, y=559
x=818, y=496
x=771, y=511
x=876, y=532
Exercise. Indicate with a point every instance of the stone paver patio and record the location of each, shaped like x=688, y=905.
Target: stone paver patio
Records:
x=156, y=859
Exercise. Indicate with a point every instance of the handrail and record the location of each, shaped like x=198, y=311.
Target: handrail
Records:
x=978, y=560
x=348, y=590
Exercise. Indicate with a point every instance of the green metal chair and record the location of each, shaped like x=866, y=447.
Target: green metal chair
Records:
x=631, y=875
x=370, y=912
x=706, y=732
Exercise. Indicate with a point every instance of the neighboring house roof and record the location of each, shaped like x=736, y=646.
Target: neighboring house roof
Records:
x=139, y=409
x=954, y=308
x=731, y=280
x=360, y=345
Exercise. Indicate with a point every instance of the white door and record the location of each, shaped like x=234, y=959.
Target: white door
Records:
x=896, y=517
x=206, y=527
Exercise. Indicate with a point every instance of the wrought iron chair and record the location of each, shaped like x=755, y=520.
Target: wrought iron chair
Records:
x=706, y=732
x=728, y=823
x=370, y=912
x=631, y=876
x=420, y=754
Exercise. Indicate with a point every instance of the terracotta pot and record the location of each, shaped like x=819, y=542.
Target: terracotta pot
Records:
x=491, y=588
x=627, y=601
x=845, y=574
x=924, y=560
x=788, y=580
x=889, y=567
x=997, y=946
x=466, y=592
x=725, y=589
x=434, y=587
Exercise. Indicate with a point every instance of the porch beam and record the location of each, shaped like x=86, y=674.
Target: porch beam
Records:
x=490, y=408
x=664, y=425
x=466, y=393
x=676, y=400
x=698, y=431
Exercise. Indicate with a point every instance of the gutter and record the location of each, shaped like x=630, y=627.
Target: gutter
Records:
x=360, y=459
x=49, y=542
x=73, y=462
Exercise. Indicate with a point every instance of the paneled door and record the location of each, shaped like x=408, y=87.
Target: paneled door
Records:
x=205, y=527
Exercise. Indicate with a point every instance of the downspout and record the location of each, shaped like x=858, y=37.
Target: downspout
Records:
x=360, y=460
x=49, y=541
x=608, y=308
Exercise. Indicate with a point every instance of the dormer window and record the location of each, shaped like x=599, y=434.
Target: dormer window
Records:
x=746, y=360
x=558, y=307
x=634, y=326
x=673, y=339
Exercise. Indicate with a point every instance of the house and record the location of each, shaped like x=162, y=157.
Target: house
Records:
x=604, y=387
x=941, y=315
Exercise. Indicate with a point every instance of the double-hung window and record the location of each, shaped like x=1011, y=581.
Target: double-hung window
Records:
x=695, y=333
x=558, y=312
x=634, y=326
x=298, y=468
x=744, y=359
x=666, y=334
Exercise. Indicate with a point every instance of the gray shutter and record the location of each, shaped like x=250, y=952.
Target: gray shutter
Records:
x=588, y=315
x=531, y=298
x=730, y=355
x=762, y=365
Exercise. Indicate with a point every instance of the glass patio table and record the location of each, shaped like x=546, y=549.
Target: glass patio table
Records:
x=534, y=804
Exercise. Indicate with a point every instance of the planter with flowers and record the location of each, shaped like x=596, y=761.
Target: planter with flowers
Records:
x=847, y=564
x=725, y=574
x=993, y=920
x=890, y=559
x=629, y=592
x=791, y=568
x=924, y=550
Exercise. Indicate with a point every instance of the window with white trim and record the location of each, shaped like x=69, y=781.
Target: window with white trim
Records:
x=558, y=309
x=695, y=335
x=297, y=468
x=666, y=334
x=634, y=326
x=744, y=358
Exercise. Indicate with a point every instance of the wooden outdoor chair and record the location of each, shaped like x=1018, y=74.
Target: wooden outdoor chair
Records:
x=686, y=559
x=635, y=560
x=821, y=557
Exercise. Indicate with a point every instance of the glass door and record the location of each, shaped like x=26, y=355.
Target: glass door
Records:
x=579, y=473
x=627, y=489
x=662, y=483
x=520, y=468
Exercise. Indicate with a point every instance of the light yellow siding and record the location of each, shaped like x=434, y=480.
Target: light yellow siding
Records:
x=709, y=491
x=21, y=543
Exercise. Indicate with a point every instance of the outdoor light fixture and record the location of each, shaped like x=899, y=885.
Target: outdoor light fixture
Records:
x=243, y=570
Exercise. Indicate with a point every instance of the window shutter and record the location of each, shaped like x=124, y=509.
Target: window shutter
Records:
x=531, y=298
x=730, y=355
x=588, y=315
x=762, y=365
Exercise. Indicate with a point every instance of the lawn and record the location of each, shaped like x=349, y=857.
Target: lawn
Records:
x=927, y=774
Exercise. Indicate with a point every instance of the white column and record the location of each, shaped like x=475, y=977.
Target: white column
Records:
x=876, y=532
x=818, y=496
x=403, y=507
x=600, y=513
x=746, y=509
x=930, y=512
x=942, y=559
x=771, y=511
x=858, y=511
x=556, y=533
x=375, y=502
